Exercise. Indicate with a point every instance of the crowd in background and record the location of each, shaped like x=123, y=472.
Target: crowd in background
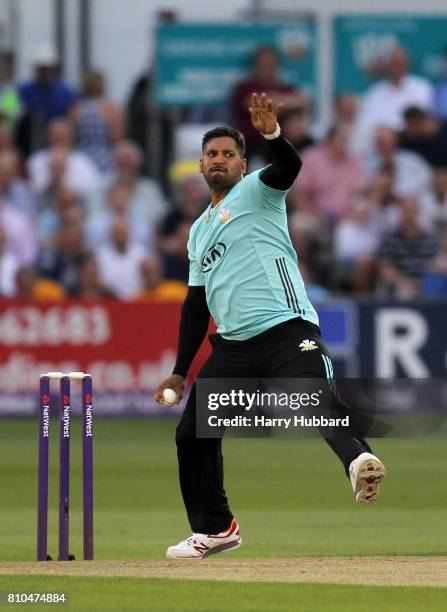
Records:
x=80, y=216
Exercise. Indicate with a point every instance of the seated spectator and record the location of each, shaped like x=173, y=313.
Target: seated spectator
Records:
x=175, y=260
x=345, y=111
x=20, y=233
x=119, y=261
x=155, y=287
x=57, y=172
x=62, y=261
x=13, y=187
x=119, y=204
x=412, y=173
x=425, y=135
x=29, y=287
x=264, y=77
x=356, y=239
x=191, y=198
x=330, y=176
x=8, y=267
x=294, y=126
x=99, y=123
x=406, y=254
x=147, y=200
x=68, y=209
x=44, y=98
x=385, y=204
x=312, y=242
x=434, y=202
x=80, y=174
x=90, y=285
x=386, y=100
x=434, y=284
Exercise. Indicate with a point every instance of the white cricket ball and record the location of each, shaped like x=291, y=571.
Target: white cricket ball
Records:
x=169, y=396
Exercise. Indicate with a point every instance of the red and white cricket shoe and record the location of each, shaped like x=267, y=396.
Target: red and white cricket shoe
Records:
x=201, y=545
x=366, y=473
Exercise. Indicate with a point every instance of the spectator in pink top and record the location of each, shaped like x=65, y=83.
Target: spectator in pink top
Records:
x=330, y=176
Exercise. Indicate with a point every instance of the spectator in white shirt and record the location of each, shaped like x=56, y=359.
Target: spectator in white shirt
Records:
x=146, y=198
x=15, y=189
x=412, y=173
x=385, y=101
x=119, y=261
x=20, y=233
x=81, y=174
x=434, y=203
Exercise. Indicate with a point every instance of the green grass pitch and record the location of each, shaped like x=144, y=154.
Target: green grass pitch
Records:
x=290, y=497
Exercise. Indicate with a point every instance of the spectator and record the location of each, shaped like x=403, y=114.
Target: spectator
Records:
x=80, y=173
x=385, y=101
x=425, y=135
x=8, y=267
x=264, y=77
x=146, y=198
x=90, y=285
x=15, y=189
x=119, y=261
x=99, y=123
x=412, y=173
x=356, y=240
x=175, y=260
x=191, y=198
x=155, y=287
x=345, y=111
x=45, y=97
x=295, y=128
x=330, y=176
x=434, y=202
x=61, y=262
x=405, y=255
x=384, y=203
x=57, y=171
x=68, y=209
x=20, y=234
x=119, y=204
x=312, y=242
x=29, y=287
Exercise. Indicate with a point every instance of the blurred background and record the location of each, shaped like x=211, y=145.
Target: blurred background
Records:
x=102, y=110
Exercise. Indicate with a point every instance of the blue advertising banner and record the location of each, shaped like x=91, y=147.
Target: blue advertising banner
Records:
x=199, y=63
x=403, y=340
x=362, y=42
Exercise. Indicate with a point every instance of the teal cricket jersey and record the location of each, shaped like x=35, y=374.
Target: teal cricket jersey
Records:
x=245, y=259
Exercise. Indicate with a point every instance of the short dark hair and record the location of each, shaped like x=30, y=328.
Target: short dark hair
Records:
x=229, y=132
x=414, y=113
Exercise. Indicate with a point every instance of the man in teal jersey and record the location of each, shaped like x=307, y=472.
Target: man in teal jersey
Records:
x=243, y=270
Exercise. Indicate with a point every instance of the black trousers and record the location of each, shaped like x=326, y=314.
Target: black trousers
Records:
x=273, y=354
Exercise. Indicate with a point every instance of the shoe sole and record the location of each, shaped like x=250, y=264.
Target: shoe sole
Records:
x=222, y=548
x=370, y=475
x=212, y=551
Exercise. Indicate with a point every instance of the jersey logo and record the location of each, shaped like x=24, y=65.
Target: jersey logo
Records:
x=213, y=256
x=308, y=345
x=224, y=215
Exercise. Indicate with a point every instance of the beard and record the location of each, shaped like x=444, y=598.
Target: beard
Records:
x=220, y=181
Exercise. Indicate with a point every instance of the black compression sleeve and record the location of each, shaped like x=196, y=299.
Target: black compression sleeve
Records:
x=193, y=327
x=286, y=164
